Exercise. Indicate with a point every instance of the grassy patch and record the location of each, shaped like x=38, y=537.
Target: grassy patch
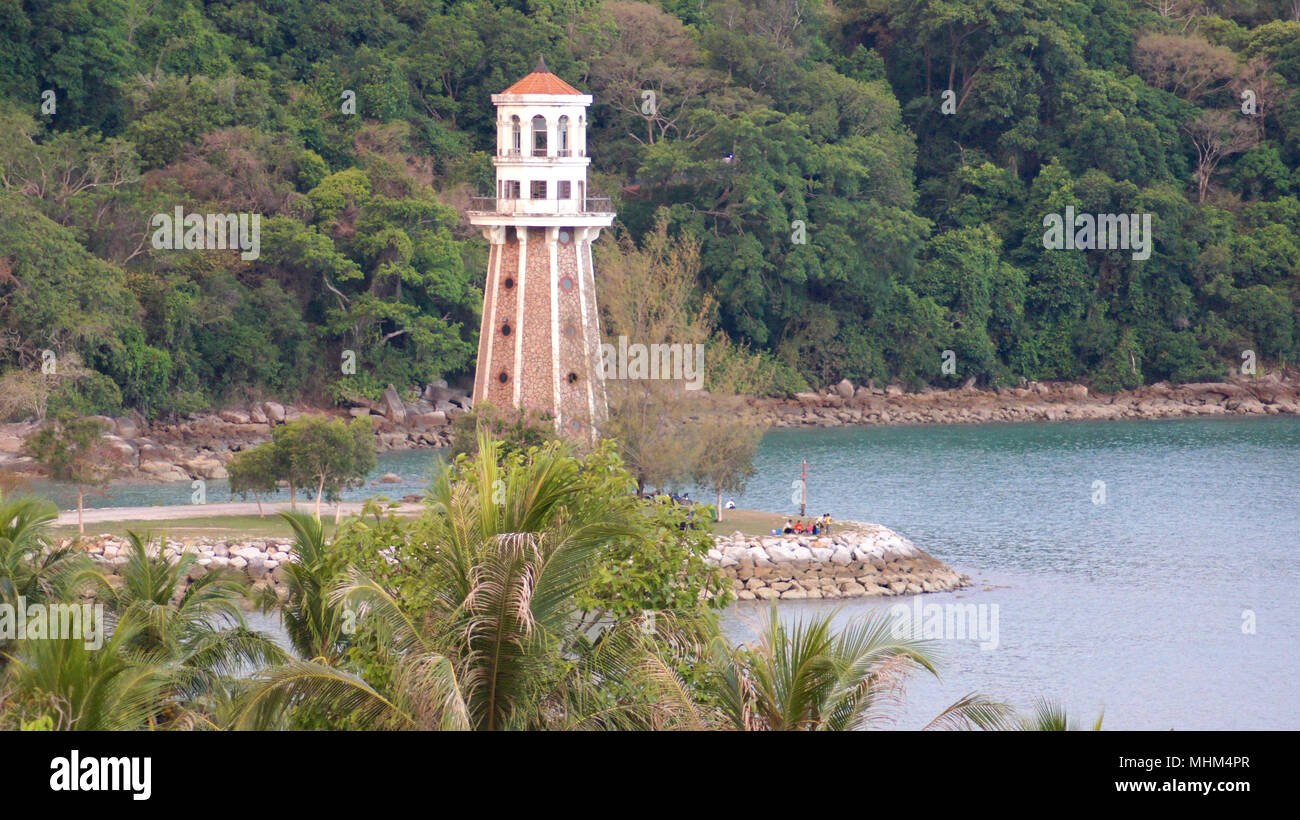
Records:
x=749, y=522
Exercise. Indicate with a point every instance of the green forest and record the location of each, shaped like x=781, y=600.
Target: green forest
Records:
x=867, y=183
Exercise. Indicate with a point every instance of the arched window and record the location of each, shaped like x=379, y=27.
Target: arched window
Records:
x=516, y=136
x=564, y=136
x=539, y=136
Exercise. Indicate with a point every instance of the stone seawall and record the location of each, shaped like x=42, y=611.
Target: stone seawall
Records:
x=260, y=560
x=856, y=560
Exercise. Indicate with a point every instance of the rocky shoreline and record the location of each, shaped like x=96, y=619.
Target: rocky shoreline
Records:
x=856, y=560
x=850, y=405
x=199, y=447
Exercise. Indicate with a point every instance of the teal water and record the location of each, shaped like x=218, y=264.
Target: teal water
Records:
x=1134, y=606
x=413, y=466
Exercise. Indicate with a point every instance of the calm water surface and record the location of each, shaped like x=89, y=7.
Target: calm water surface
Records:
x=1135, y=606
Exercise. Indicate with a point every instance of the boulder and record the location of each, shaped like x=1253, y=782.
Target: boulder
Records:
x=393, y=407
x=126, y=427
x=124, y=450
x=845, y=388
x=438, y=391
x=206, y=467
x=274, y=412
x=163, y=471
x=258, y=416
x=390, y=478
x=108, y=425
x=234, y=417
x=427, y=421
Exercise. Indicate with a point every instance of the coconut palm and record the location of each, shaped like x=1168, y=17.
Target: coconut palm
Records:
x=1050, y=716
x=79, y=687
x=805, y=675
x=314, y=621
x=198, y=630
x=494, y=643
x=31, y=566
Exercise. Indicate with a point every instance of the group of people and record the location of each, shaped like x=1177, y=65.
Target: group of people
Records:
x=819, y=526
x=684, y=498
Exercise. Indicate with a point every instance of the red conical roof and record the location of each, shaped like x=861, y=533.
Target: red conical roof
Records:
x=542, y=81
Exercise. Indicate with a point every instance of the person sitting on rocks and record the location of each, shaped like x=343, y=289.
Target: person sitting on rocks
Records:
x=798, y=528
x=789, y=527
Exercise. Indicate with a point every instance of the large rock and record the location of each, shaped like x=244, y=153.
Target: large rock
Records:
x=438, y=391
x=234, y=417
x=845, y=389
x=427, y=421
x=163, y=471
x=206, y=467
x=274, y=412
x=393, y=407
x=126, y=427
x=125, y=452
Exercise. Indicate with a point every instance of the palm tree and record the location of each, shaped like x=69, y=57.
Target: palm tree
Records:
x=808, y=676
x=506, y=546
x=111, y=688
x=1050, y=716
x=198, y=630
x=30, y=566
x=314, y=621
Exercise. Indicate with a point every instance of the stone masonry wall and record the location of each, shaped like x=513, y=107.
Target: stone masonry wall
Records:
x=855, y=560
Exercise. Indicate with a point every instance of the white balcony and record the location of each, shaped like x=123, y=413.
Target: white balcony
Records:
x=550, y=206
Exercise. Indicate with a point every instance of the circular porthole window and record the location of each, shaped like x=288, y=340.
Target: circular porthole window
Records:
x=505, y=329
x=575, y=426
x=570, y=331
x=503, y=377
x=564, y=237
x=566, y=284
x=573, y=378
x=509, y=283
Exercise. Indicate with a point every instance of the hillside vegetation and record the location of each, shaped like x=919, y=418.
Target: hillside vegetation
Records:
x=847, y=224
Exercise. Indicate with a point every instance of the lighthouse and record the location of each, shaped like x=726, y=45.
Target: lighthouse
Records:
x=539, y=344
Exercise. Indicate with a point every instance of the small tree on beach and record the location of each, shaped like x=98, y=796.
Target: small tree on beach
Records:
x=73, y=451
x=725, y=446
x=331, y=453
x=256, y=471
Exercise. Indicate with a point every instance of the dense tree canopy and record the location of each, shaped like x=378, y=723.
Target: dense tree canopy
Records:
x=866, y=182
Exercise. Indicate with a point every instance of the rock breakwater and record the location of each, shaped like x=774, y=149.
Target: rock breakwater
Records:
x=855, y=560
